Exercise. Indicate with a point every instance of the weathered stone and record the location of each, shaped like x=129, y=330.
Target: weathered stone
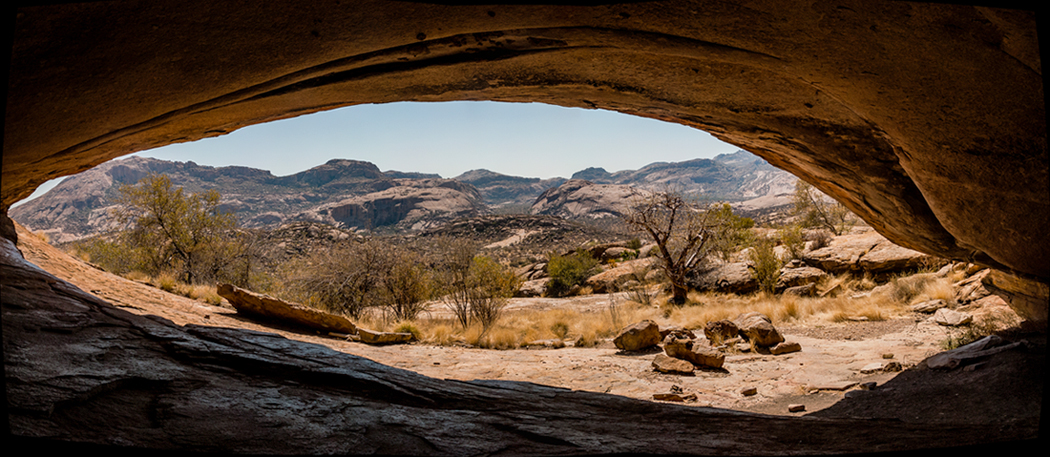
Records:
x=373, y=337
x=534, y=288
x=952, y=318
x=1030, y=299
x=758, y=329
x=582, y=199
x=972, y=288
x=785, y=348
x=808, y=290
x=726, y=278
x=265, y=306
x=613, y=279
x=984, y=347
x=675, y=397
x=928, y=306
x=719, y=332
x=796, y=408
x=638, y=336
x=800, y=276
x=748, y=391
x=671, y=365
x=695, y=352
x=676, y=332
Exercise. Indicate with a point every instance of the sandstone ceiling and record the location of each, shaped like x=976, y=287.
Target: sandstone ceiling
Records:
x=927, y=120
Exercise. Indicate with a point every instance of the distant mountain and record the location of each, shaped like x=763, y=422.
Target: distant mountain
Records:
x=352, y=194
x=731, y=177
x=80, y=205
x=499, y=190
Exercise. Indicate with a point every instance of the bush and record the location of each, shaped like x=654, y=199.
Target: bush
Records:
x=793, y=240
x=568, y=271
x=766, y=266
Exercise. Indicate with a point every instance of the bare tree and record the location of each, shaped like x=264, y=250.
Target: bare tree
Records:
x=814, y=209
x=684, y=232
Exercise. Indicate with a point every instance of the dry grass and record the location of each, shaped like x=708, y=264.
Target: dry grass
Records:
x=518, y=328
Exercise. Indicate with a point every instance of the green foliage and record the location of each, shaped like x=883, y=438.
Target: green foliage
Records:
x=765, y=263
x=327, y=280
x=686, y=233
x=171, y=230
x=110, y=253
x=793, y=240
x=814, y=210
x=569, y=270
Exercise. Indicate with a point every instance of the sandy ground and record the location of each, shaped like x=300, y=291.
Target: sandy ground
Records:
x=829, y=363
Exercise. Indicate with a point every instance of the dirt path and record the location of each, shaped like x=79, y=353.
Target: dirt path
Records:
x=780, y=380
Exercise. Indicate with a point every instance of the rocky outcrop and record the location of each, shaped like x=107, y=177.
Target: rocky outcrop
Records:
x=579, y=199
x=499, y=190
x=267, y=307
x=410, y=205
x=868, y=252
x=696, y=352
x=758, y=329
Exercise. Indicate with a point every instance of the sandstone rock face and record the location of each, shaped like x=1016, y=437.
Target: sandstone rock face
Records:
x=411, y=205
x=801, y=276
x=1029, y=298
x=634, y=337
x=265, y=306
x=580, y=199
x=867, y=251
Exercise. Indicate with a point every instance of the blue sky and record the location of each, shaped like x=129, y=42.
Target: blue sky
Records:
x=521, y=139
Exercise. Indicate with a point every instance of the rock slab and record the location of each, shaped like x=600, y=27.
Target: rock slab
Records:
x=267, y=307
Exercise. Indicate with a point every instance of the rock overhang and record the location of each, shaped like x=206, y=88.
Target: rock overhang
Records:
x=927, y=120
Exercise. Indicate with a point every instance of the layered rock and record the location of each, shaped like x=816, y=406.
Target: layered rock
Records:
x=580, y=199
x=267, y=307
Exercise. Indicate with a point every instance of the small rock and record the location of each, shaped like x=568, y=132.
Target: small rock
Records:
x=676, y=397
x=892, y=367
x=371, y=337
x=871, y=368
x=974, y=366
x=670, y=365
x=853, y=394
x=758, y=329
x=928, y=306
x=887, y=356
x=796, y=408
x=785, y=347
x=868, y=385
x=718, y=332
x=748, y=391
x=840, y=386
x=951, y=318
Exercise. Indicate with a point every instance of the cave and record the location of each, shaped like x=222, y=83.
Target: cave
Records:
x=927, y=120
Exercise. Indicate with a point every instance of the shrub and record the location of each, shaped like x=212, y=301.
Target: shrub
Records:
x=792, y=239
x=568, y=271
x=766, y=266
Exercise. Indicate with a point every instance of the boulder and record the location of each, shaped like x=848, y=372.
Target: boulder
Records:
x=951, y=318
x=867, y=251
x=972, y=288
x=611, y=280
x=267, y=307
x=928, y=306
x=732, y=277
x=717, y=332
x=785, y=348
x=808, y=290
x=670, y=365
x=533, y=288
x=638, y=336
x=695, y=352
x=758, y=329
x=675, y=331
x=799, y=276
x=1028, y=298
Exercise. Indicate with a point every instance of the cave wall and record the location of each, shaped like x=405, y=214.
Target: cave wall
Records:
x=927, y=120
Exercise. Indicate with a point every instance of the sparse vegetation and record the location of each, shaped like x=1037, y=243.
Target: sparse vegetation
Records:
x=567, y=271
x=685, y=233
x=765, y=263
x=814, y=209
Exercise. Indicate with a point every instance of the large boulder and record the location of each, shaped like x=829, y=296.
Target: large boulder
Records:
x=758, y=329
x=733, y=277
x=638, y=336
x=866, y=251
x=697, y=352
x=267, y=307
x=798, y=276
x=611, y=280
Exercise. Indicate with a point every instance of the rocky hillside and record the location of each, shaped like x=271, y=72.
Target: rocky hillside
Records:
x=346, y=193
x=354, y=194
x=732, y=177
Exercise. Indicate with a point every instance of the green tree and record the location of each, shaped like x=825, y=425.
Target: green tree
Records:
x=171, y=230
x=570, y=270
x=685, y=233
x=813, y=209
